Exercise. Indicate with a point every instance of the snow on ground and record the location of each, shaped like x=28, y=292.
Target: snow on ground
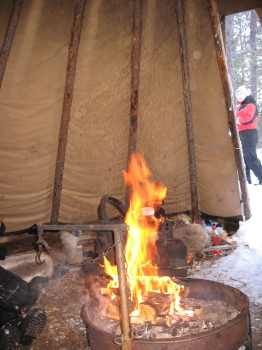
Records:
x=242, y=268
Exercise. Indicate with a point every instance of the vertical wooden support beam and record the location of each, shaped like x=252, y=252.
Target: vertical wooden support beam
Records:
x=135, y=73
x=9, y=36
x=126, y=341
x=180, y=16
x=221, y=59
x=66, y=110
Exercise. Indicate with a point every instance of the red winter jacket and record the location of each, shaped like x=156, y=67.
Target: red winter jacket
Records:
x=247, y=114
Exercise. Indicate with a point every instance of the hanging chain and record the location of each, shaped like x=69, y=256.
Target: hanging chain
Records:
x=42, y=243
x=128, y=289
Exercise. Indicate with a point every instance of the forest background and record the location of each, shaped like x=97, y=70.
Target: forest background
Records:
x=244, y=57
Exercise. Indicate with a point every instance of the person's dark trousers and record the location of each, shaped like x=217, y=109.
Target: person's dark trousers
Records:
x=16, y=294
x=249, y=140
x=8, y=316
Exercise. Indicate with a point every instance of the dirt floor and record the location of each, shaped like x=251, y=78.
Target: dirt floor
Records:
x=62, y=300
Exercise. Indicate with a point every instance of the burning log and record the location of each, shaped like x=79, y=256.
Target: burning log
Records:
x=159, y=301
x=113, y=309
x=160, y=297
x=162, y=321
x=113, y=312
x=154, y=305
x=147, y=311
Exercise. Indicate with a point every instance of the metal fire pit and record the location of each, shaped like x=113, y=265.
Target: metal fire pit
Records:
x=229, y=336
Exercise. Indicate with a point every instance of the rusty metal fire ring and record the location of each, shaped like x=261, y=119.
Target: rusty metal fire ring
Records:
x=229, y=336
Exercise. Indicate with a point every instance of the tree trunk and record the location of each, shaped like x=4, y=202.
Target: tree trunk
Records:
x=230, y=49
x=253, y=54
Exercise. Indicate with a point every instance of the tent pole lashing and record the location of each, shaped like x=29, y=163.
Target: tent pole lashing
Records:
x=221, y=59
x=66, y=109
x=9, y=37
x=180, y=16
x=135, y=73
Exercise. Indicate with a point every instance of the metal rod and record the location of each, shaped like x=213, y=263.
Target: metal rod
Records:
x=220, y=247
x=66, y=110
x=122, y=278
x=135, y=73
x=221, y=59
x=9, y=36
x=108, y=227
x=180, y=16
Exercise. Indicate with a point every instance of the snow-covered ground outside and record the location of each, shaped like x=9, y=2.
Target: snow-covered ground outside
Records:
x=242, y=269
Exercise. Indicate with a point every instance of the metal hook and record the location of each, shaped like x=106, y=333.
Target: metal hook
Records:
x=38, y=255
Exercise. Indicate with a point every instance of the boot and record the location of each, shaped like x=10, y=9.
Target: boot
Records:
x=18, y=333
x=32, y=326
x=16, y=294
x=248, y=176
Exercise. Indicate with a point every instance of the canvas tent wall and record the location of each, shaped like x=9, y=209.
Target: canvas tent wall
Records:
x=31, y=99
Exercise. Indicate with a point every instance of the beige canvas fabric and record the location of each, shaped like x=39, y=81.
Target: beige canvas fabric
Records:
x=31, y=101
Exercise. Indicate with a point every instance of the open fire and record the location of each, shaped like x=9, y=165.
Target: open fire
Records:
x=146, y=198
x=185, y=315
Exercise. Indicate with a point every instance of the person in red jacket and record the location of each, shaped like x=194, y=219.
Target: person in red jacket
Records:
x=247, y=119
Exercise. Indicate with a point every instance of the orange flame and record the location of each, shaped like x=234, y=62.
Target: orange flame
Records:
x=140, y=245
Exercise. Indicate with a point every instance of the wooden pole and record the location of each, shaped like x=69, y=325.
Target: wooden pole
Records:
x=180, y=16
x=135, y=73
x=126, y=341
x=222, y=64
x=9, y=36
x=66, y=110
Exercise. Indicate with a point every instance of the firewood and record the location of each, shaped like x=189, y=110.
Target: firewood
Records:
x=160, y=297
x=162, y=321
x=113, y=309
x=198, y=311
x=147, y=311
x=116, y=318
x=160, y=301
x=104, y=291
x=114, y=291
x=136, y=320
x=189, y=313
